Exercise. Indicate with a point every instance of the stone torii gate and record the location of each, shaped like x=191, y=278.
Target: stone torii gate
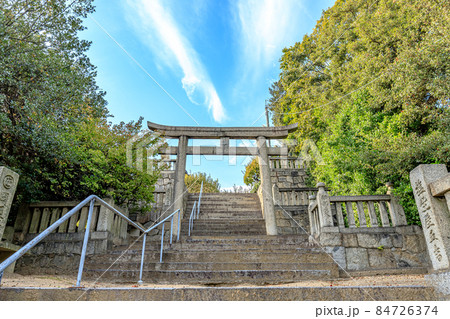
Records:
x=260, y=134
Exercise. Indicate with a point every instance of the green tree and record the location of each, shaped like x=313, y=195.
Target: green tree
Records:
x=370, y=87
x=194, y=181
x=252, y=176
x=53, y=120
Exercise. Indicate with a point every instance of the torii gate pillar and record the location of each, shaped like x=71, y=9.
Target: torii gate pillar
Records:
x=179, y=179
x=266, y=187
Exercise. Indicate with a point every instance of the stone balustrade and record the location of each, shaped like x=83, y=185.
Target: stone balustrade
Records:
x=367, y=233
x=286, y=162
x=355, y=211
x=34, y=218
x=293, y=196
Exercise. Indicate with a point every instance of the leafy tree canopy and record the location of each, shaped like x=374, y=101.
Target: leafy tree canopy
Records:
x=370, y=86
x=53, y=119
x=252, y=176
x=194, y=181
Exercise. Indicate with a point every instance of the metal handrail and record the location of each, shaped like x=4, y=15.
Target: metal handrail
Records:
x=91, y=200
x=195, y=213
x=191, y=218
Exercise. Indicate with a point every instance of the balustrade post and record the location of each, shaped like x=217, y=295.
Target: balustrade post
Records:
x=276, y=195
x=397, y=213
x=314, y=228
x=324, y=206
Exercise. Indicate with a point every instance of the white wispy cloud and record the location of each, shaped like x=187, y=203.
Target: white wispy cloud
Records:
x=164, y=37
x=264, y=28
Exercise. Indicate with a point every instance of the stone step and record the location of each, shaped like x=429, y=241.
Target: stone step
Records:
x=218, y=246
x=382, y=293
x=225, y=207
x=227, y=213
x=207, y=195
x=216, y=266
x=209, y=277
x=229, y=217
x=225, y=224
x=300, y=240
x=298, y=256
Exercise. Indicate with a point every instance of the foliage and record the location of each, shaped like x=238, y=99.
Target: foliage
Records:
x=252, y=176
x=194, y=181
x=53, y=118
x=370, y=87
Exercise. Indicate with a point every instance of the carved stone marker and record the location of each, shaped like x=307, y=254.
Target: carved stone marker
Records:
x=433, y=213
x=8, y=184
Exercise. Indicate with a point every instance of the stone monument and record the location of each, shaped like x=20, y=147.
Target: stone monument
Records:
x=8, y=184
x=431, y=187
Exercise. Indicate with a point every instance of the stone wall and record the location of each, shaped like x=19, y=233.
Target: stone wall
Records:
x=288, y=177
x=378, y=249
x=297, y=223
x=60, y=252
x=291, y=206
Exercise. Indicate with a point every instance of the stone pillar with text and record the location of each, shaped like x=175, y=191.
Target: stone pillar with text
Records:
x=8, y=185
x=431, y=187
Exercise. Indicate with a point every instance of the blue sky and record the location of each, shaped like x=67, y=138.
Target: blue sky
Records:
x=196, y=62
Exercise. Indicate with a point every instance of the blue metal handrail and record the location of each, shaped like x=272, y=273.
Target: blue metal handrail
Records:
x=195, y=213
x=91, y=200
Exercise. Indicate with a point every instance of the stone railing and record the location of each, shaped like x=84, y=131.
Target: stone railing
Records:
x=293, y=196
x=354, y=211
x=286, y=162
x=34, y=218
x=367, y=233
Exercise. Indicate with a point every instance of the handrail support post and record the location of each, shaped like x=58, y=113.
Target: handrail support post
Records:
x=162, y=244
x=140, y=282
x=85, y=243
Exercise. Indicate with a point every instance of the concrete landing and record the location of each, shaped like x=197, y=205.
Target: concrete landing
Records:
x=380, y=288
x=405, y=293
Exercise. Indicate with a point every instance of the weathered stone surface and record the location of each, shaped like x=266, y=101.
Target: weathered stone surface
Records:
x=266, y=187
x=8, y=234
x=441, y=281
x=8, y=185
x=276, y=132
x=440, y=186
x=397, y=240
x=357, y=258
x=381, y=258
x=434, y=213
x=349, y=240
x=324, y=206
x=413, y=243
x=283, y=223
x=338, y=255
x=406, y=259
x=105, y=217
x=221, y=294
x=374, y=240
x=330, y=239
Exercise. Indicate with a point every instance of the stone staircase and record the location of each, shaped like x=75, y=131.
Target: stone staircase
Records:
x=228, y=246
x=225, y=214
x=228, y=257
